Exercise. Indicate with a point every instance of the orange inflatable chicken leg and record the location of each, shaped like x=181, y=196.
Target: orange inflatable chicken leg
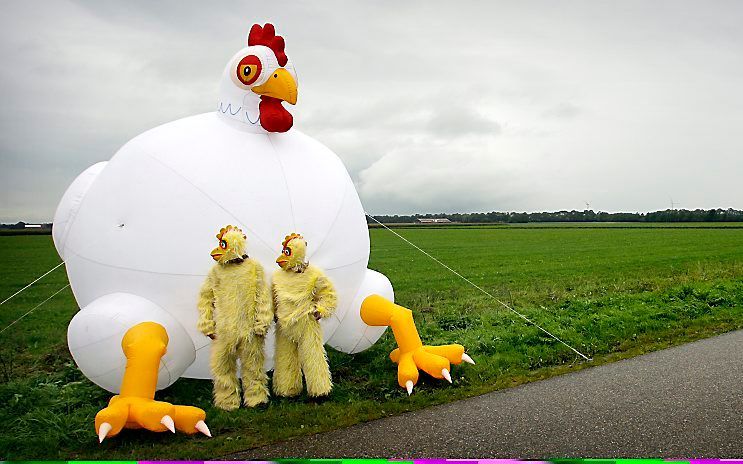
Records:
x=135, y=407
x=411, y=354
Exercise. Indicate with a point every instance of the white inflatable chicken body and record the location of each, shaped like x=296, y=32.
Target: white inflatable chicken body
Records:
x=136, y=233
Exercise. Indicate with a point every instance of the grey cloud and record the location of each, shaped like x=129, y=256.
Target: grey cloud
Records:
x=443, y=179
x=564, y=110
x=459, y=120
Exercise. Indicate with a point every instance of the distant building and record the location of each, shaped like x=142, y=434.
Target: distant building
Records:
x=434, y=221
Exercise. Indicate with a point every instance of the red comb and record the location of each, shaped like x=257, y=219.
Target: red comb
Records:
x=266, y=36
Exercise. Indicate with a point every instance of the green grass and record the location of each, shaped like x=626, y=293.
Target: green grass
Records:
x=612, y=293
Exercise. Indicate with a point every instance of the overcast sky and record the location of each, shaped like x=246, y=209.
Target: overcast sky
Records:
x=434, y=106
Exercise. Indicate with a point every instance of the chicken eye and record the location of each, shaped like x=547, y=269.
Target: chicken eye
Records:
x=287, y=251
x=249, y=69
x=223, y=244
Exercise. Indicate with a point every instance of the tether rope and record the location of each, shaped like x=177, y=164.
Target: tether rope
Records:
x=27, y=286
x=479, y=288
x=34, y=308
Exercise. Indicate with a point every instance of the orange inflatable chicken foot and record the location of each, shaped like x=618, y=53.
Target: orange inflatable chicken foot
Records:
x=411, y=354
x=144, y=344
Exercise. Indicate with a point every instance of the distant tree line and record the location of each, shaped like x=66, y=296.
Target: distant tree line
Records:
x=669, y=215
x=22, y=225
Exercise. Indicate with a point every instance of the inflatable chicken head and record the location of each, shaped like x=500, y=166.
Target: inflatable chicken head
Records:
x=257, y=80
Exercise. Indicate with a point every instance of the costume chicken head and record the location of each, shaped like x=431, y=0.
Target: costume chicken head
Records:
x=257, y=80
x=231, y=245
x=293, y=252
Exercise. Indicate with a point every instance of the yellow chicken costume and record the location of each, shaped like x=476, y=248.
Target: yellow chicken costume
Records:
x=235, y=312
x=302, y=296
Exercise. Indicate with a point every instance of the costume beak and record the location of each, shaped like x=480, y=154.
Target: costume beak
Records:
x=281, y=261
x=217, y=254
x=279, y=85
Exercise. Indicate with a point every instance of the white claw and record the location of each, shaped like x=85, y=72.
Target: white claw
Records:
x=103, y=431
x=201, y=427
x=167, y=421
x=409, y=387
x=446, y=374
x=466, y=358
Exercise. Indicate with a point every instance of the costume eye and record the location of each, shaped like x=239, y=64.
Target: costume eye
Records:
x=223, y=244
x=287, y=251
x=249, y=69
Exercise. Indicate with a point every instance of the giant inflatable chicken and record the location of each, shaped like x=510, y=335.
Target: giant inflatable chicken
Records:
x=132, y=232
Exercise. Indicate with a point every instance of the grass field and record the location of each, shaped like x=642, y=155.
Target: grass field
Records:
x=611, y=292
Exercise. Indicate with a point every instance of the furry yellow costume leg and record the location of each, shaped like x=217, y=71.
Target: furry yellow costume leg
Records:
x=314, y=360
x=300, y=350
x=224, y=372
x=287, y=373
x=255, y=380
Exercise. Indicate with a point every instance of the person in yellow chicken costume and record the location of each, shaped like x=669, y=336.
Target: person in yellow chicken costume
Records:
x=235, y=312
x=302, y=296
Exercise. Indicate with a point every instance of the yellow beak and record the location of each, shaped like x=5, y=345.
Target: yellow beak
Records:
x=279, y=85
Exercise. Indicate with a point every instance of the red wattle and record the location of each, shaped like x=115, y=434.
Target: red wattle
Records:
x=274, y=117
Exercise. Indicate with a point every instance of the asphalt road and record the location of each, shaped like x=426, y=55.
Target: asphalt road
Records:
x=681, y=402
